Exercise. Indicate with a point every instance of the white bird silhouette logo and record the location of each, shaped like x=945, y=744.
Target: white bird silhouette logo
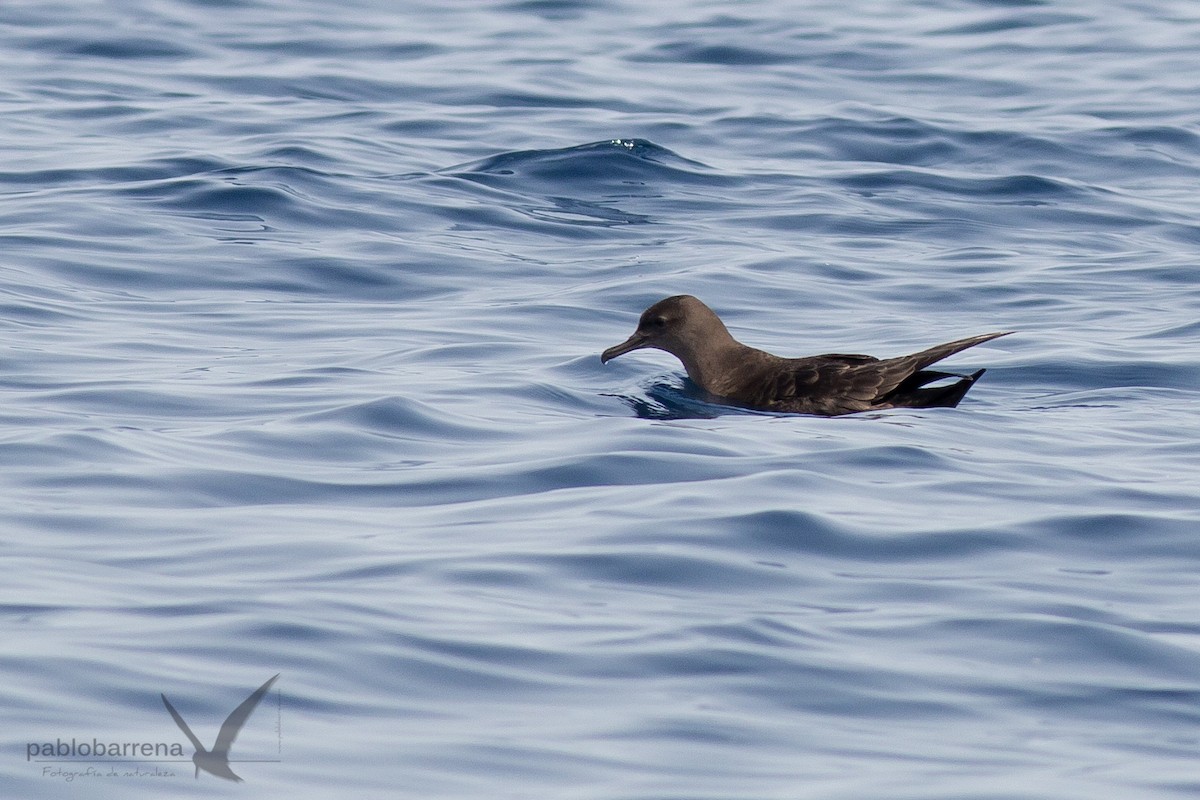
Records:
x=216, y=761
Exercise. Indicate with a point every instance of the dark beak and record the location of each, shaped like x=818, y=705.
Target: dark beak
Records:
x=635, y=342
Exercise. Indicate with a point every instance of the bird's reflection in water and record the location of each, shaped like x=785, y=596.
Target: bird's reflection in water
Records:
x=679, y=399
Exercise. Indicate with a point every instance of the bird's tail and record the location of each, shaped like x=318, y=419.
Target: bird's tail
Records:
x=915, y=393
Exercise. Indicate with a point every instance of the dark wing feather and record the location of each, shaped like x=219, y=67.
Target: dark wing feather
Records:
x=837, y=383
x=918, y=361
x=846, y=358
x=896, y=371
x=828, y=384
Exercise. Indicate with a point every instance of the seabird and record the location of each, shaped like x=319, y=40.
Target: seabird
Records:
x=827, y=385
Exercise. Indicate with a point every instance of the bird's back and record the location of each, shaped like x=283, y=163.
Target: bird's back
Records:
x=834, y=383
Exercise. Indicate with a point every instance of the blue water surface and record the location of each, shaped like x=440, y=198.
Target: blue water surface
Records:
x=302, y=305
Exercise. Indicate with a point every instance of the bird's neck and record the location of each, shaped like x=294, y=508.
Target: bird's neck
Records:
x=718, y=365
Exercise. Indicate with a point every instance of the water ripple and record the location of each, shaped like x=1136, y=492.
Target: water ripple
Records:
x=302, y=317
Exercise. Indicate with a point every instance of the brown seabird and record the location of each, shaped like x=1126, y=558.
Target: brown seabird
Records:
x=829, y=384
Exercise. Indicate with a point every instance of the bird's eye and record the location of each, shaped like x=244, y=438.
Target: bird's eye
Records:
x=658, y=323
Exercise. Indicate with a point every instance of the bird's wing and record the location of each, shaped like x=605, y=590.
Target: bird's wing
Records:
x=839, y=383
x=234, y=722
x=183, y=726
x=828, y=384
x=936, y=353
x=895, y=372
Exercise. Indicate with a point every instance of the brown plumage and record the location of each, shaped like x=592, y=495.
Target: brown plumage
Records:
x=829, y=384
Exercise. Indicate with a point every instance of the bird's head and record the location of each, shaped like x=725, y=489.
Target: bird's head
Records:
x=678, y=325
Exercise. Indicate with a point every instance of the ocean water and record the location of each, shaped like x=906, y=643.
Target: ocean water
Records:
x=302, y=305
